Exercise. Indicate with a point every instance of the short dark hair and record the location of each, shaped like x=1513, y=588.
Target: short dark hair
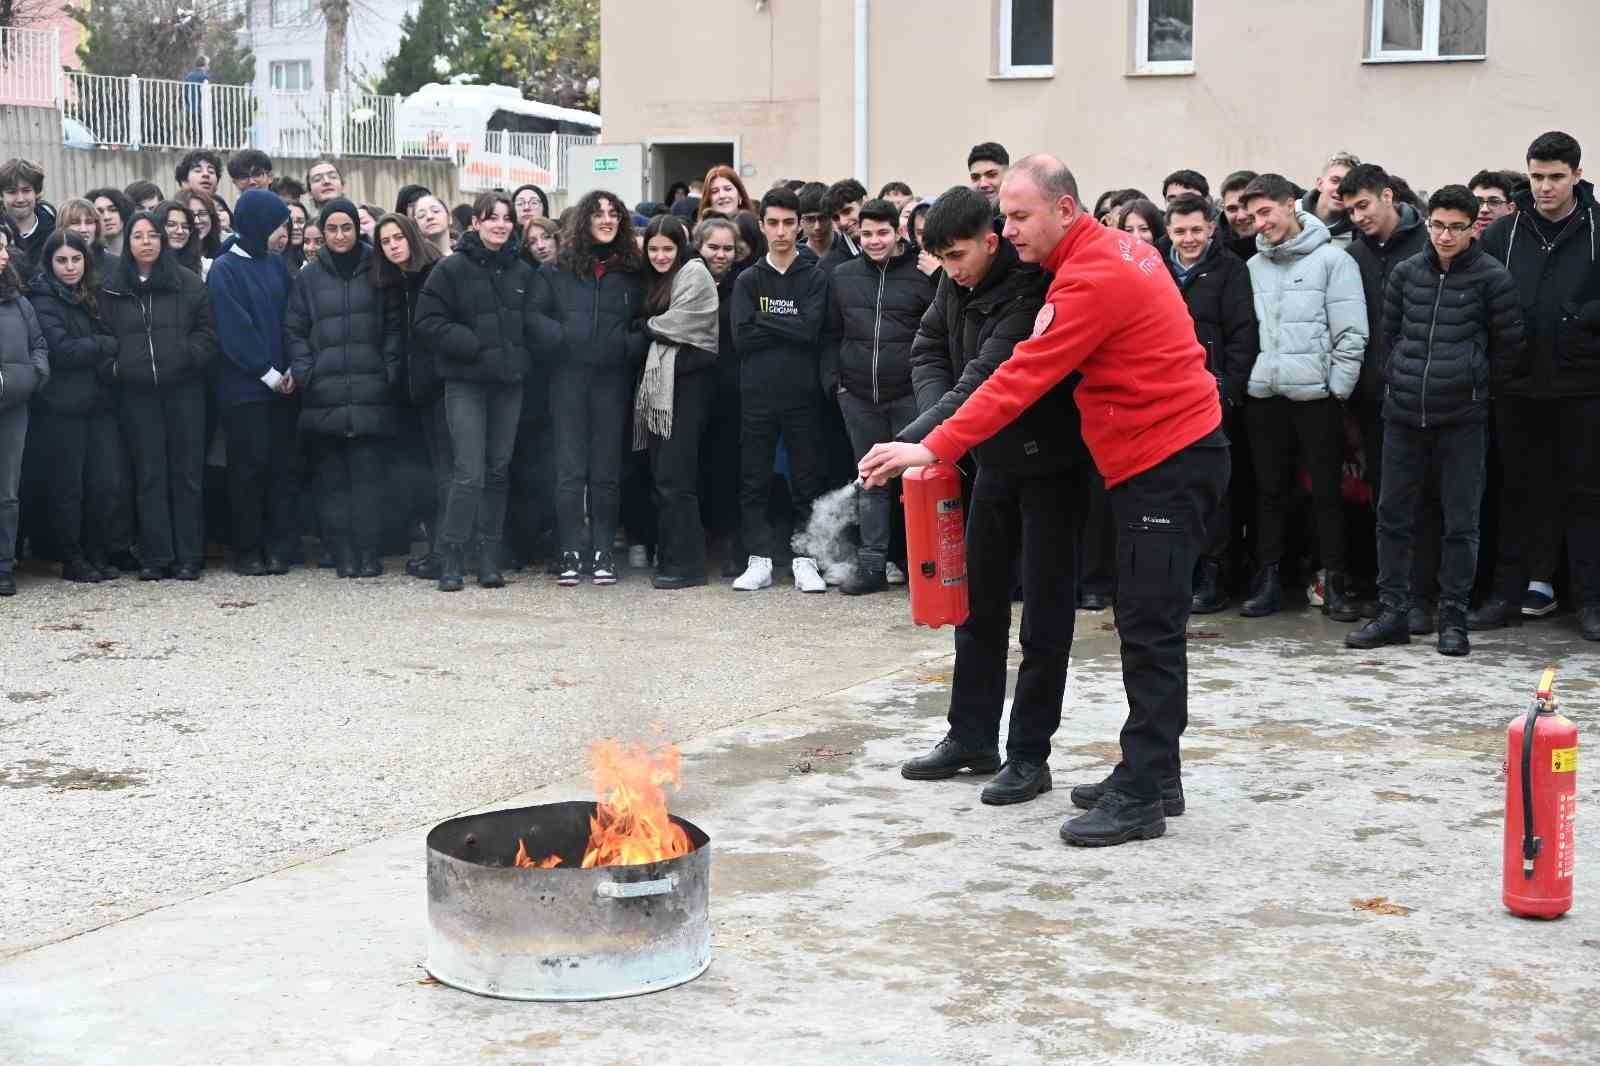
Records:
x=1507, y=181
x=989, y=152
x=780, y=198
x=1364, y=177
x=1273, y=187
x=1123, y=197
x=14, y=172
x=845, y=191
x=140, y=191
x=118, y=198
x=880, y=210
x=1189, y=204
x=793, y=184
x=408, y=195
x=315, y=163
x=248, y=161
x=1236, y=181
x=899, y=188
x=287, y=188
x=812, y=196
x=194, y=159
x=1454, y=198
x=1555, y=147
x=959, y=214
x=1189, y=179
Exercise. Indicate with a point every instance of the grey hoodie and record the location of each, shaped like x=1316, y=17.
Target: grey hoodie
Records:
x=1313, y=316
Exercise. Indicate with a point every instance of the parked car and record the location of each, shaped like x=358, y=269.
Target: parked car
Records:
x=75, y=134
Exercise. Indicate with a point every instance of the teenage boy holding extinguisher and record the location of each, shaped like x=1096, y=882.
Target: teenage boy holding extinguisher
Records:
x=1026, y=505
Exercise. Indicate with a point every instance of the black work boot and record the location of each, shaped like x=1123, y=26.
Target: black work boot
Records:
x=1116, y=819
x=345, y=560
x=1337, y=602
x=489, y=575
x=1017, y=782
x=1495, y=613
x=1589, y=621
x=1418, y=621
x=864, y=582
x=1208, y=597
x=1453, y=632
x=948, y=758
x=1266, y=595
x=369, y=563
x=1172, y=804
x=451, y=566
x=426, y=567
x=1388, y=628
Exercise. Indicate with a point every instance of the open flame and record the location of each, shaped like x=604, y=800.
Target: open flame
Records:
x=630, y=826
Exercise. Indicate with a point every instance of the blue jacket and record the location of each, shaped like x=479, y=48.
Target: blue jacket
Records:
x=249, y=289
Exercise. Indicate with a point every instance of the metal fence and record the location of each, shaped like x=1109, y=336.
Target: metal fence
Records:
x=29, y=66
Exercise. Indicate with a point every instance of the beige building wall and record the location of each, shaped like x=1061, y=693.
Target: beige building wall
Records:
x=1276, y=86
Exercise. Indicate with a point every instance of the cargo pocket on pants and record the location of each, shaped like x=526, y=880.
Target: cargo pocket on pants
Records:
x=1148, y=561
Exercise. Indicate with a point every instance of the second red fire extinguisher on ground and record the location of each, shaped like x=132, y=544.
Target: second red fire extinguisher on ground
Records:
x=936, y=545
x=1541, y=808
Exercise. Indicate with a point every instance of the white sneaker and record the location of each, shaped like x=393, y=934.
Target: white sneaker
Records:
x=893, y=574
x=806, y=578
x=639, y=557
x=757, y=575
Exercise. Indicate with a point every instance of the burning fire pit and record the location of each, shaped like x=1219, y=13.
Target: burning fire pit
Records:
x=569, y=901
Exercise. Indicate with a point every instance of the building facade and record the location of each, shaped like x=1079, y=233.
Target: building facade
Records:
x=288, y=38
x=1124, y=90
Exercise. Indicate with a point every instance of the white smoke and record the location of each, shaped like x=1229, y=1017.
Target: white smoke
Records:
x=826, y=537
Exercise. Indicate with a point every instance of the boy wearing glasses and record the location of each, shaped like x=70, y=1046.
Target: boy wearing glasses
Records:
x=1494, y=190
x=1453, y=324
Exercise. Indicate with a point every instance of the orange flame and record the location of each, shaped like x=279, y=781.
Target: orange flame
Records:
x=523, y=859
x=630, y=824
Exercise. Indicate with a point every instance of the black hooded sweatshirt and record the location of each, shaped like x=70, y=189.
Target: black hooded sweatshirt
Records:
x=778, y=322
x=1377, y=261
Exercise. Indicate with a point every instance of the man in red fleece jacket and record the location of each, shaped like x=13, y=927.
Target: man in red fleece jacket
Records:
x=1152, y=422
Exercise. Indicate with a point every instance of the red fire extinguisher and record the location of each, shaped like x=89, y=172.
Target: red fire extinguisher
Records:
x=936, y=545
x=1541, y=804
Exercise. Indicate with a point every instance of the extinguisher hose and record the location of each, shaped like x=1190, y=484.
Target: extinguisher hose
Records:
x=1530, y=843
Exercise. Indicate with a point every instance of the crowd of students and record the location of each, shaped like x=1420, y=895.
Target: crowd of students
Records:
x=513, y=389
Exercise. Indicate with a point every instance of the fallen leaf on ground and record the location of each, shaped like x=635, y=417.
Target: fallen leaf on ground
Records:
x=62, y=627
x=1380, y=905
x=105, y=645
x=237, y=603
x=430, y=980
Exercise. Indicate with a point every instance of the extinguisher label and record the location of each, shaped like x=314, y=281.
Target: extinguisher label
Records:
x=1564, y=760
x=952, y=546
x=1566, y=815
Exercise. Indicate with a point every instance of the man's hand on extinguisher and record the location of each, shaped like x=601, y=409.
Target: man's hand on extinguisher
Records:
x=885, y=462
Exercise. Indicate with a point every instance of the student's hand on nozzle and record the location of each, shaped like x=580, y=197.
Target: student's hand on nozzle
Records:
x=885, y=462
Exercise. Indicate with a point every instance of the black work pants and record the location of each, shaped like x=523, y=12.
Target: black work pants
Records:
x=719, y=462
x=1099, y=547
x=1448, y=462
x=1163, y=516
x=675, y=471
x=1283, y=433
x=1026, y=524
x=441, y=457
x=1550, y=466
x=533, y=471
x=588, y=407
x=87, y=480
x=767, y=410
x=351, y=480
x=164, y=429
x=482, y=417
x=871, y=424
x=263, y=485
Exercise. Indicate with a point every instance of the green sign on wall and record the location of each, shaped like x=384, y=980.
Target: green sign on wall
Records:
x=603, y=163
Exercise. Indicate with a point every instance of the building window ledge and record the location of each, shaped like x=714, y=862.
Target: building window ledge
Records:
x=1024, y=74
x=1164, y=70
x=1380, y=61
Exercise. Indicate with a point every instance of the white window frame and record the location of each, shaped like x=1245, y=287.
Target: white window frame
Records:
x=284, y=64
x=294, y=18
x=1142, y=63
x=1428, y=53
x=1005, y=68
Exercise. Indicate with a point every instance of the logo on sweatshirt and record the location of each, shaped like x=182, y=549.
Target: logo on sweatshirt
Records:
x=1042, y=320
x=772, y=305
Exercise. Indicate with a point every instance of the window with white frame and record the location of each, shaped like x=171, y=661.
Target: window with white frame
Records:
x=1163, y=36
x=1027, y=38
x=291, y=76
x=1428, y=29
x=290, y=12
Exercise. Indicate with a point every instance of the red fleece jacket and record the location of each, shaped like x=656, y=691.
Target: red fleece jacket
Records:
x=1113, y=314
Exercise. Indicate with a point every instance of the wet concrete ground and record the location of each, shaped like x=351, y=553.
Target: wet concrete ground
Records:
x=862, y=918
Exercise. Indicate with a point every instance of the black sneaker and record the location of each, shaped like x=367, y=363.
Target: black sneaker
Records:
x=1495, y=613
x=570, y=570
x=80, y=571
x=187, y=572
x=8, y=583
x=605, y=571
x=1536, y=604
x=1017, y=782
x=1172, y=802
x=948, y=758
x=1116, y=819
x=866, y=582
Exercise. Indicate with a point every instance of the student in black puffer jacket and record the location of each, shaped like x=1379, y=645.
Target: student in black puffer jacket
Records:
x=598, y=294
x=481, y=316
x=24, y=369
x=1454, y=328
x=343, y=335
x=404, y=262
x=161, y=317
x=74, y=425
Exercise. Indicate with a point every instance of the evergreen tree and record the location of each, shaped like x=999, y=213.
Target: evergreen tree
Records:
x=162, y=39
x=434, y=43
